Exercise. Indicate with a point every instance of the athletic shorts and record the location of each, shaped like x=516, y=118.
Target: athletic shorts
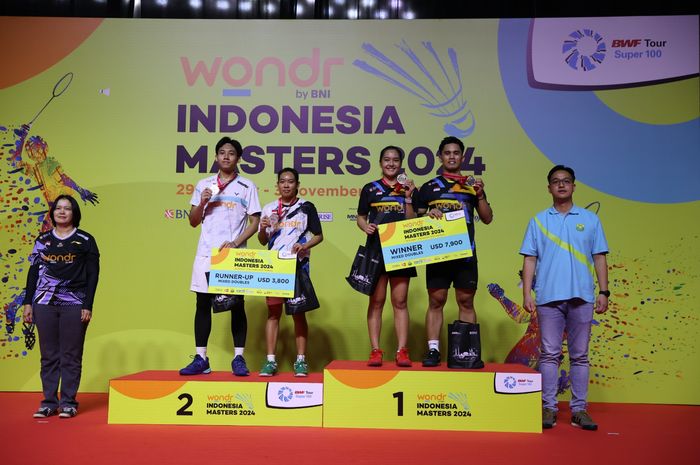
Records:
x=462, y=273
x=200, y=268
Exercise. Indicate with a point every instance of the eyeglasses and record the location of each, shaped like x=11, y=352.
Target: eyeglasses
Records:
x=565, y=181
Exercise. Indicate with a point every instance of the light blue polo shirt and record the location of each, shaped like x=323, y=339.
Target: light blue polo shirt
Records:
x=564, y=245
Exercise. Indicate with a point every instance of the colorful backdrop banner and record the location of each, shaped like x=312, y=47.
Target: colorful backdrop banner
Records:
x=124, y=115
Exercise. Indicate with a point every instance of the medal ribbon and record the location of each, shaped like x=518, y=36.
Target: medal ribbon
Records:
x=221, y=185
x=282, y=212
x=461, y=180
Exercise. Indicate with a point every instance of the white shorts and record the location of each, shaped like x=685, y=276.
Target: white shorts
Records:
x=199, y=278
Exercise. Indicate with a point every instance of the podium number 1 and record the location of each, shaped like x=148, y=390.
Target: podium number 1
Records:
x=399, y=403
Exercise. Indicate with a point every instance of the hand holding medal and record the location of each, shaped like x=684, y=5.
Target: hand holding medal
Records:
x=210, y=191
x=478, y=187
x=406, y=185
x=214, y=188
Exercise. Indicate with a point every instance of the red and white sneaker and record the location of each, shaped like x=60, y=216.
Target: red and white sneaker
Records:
x=375, y=358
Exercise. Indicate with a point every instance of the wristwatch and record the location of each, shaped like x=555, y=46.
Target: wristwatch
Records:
x=605, y=293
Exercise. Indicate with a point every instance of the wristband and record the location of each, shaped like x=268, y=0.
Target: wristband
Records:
x=605, y=293
x=408, y=200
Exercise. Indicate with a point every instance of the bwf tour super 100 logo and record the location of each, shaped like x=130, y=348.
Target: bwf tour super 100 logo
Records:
x=584, y=50
x=297, y=395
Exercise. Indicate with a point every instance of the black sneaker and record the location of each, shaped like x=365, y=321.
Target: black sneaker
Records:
x=549, y=418
x=45, y=412
x=583, y=420
x=431, y=358
x=68, y=412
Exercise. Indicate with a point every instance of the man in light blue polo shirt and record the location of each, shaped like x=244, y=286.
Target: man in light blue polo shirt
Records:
x=564, y=246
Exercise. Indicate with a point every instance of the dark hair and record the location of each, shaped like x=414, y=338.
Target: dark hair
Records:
x=288, y=170
x=227, y=140
x=450, y=140
x=392, y=147
x=561, y=168
x=74, y=206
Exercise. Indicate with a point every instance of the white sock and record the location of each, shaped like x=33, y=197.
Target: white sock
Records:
x=201, y=351
x=301, y=357
x=270, y=357
x=238, y=351
x=434, y=344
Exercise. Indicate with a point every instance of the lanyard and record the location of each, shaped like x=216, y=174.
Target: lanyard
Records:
x=221, y=185
x=386, y=183
x=396, y=188
x=461, y=180
x=282, y=212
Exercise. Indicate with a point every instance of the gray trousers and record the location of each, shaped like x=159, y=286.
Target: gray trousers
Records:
x=61, y=339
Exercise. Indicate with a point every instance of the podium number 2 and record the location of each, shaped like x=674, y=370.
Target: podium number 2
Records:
x=399, y=403
x=183, y=410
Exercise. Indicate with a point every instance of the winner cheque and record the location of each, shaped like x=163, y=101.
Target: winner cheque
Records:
x=267, y=273
x=424, y=240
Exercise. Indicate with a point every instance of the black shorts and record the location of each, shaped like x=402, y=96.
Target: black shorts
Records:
x=463, y=273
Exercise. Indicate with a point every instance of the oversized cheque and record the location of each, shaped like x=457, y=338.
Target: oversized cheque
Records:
x=424, y=240
x=252, y=272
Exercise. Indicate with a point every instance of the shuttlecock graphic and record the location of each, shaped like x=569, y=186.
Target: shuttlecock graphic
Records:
x=460, y=398
x=247, y=399
x=437, y=86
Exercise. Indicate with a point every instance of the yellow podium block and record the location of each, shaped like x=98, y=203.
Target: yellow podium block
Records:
x=219, y=398
x=499, y=397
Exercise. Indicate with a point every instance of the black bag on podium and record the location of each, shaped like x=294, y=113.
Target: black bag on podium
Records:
x=463, y=345
x=365, y=270
x=304, y=299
